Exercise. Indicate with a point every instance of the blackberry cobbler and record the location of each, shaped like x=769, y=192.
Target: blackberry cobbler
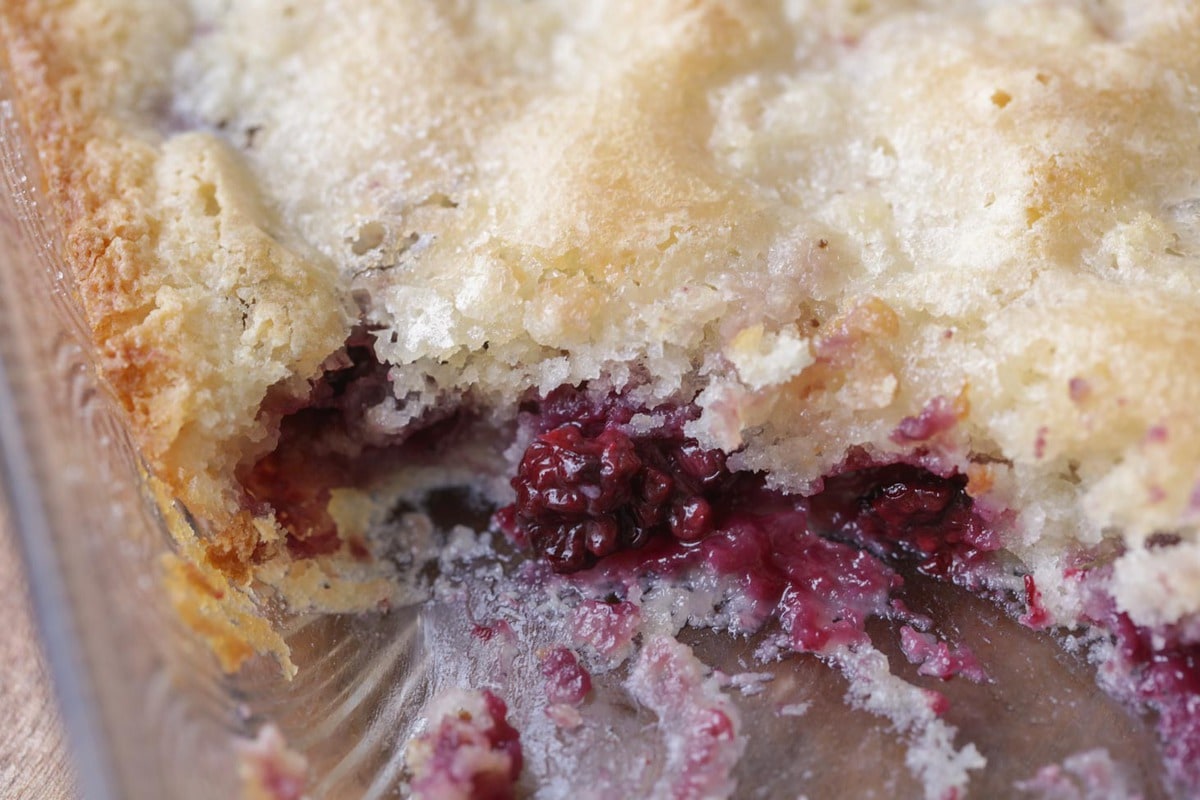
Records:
x=783, y=299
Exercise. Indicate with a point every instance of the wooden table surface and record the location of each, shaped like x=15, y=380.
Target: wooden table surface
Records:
x=33, y=758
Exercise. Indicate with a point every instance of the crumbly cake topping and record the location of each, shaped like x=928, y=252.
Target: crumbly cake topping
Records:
x=966, y=230
x=826, y=218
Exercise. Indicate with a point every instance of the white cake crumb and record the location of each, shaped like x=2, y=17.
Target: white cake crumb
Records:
x=699, y=725
x=270, y=769
x=932, y=756
x=1090, y=775
x=751, y=683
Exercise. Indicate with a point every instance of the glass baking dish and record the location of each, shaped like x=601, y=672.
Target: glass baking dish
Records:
x=146, y=710
x=150, y=715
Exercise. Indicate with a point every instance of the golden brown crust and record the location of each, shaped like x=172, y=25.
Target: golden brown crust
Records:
x=197, y=309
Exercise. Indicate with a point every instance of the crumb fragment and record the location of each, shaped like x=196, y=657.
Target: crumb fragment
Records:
x=567, y=682
x=565, y=717
x=932, y=757
x=608, y=628
x=937, y=658
x=938, y=416
x=1091, y=775
x=269, y=769
x=765, y=358
x=794, y=709
x=750, y=683
x=699, y=724
x=469, y=751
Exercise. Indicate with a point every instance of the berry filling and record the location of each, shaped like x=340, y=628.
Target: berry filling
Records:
x=902, y=511
x=622, y=490
x=591, y=484
x=587, y=487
